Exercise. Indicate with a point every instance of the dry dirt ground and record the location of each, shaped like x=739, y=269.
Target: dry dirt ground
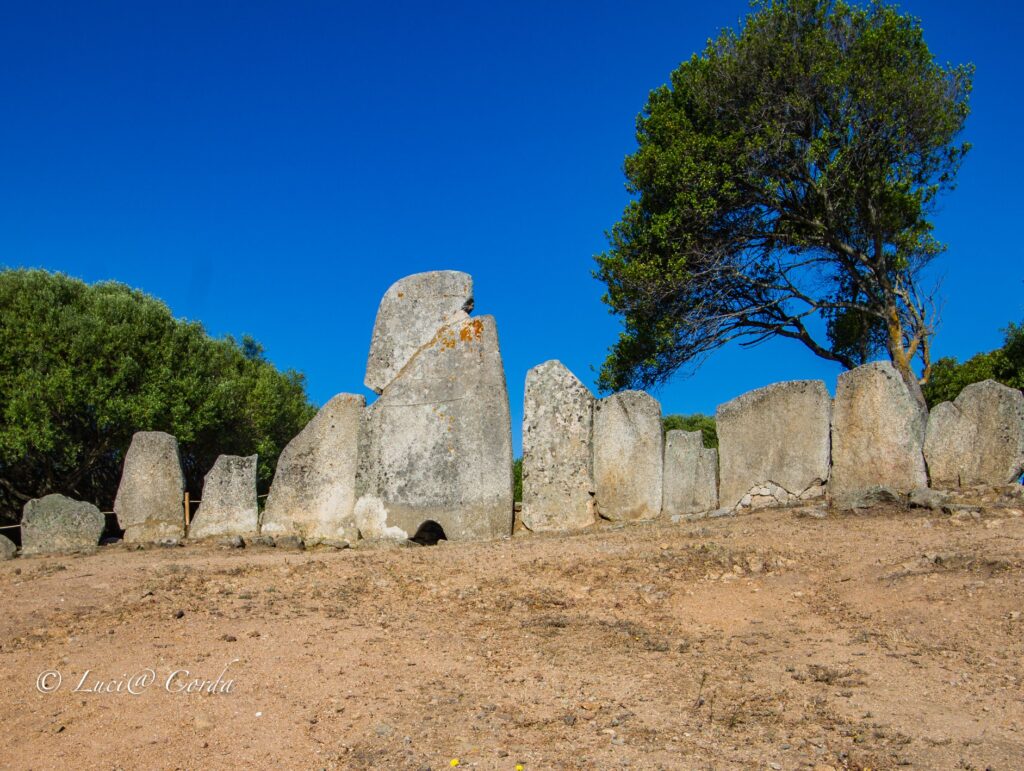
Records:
x=772, y=640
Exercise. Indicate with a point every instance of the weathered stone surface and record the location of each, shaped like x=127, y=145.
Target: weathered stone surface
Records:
x=56, y=523
x=926, y=498
x=977, y=439
x=228, y=504
x=628, y=456
x=558, y=478
x=690, y=475
x=877, y=433
x=411, y=313
x=773, y=444
x=7, y=548
x=437, y=443
x=313, y=494
x=150, y=499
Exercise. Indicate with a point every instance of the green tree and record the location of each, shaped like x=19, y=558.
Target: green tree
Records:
x=84, y=367
x=696, y=422
x=1004, y=365
x=517, y=480
x=782, y=187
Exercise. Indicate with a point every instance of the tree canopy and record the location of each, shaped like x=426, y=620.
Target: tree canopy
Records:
x=1004, y=365
x=696, y=422
x=782, y=186
x=84, y=367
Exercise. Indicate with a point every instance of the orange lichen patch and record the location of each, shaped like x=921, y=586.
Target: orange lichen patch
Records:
x=472, y=331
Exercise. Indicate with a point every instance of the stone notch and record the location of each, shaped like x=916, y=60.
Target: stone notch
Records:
x=411, y=313
x=628, y=456
x=55, y=523
x=313, y=493
x=977, y=439
x=228, y=504
x=878, y=433
x=558, y=477
x=690, y=475
x=437, y=443
x=773, y=444
x=150, y=499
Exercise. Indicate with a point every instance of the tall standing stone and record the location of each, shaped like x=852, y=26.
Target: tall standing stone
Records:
x=410, y=315
x=628, y=456
x=558, y=478
x=977, y=439
x=437, y=443
x=773, y=444
x=150, y=499
x=228, y=504
x=55, y=523
x=313, y=494
x=690, y=474
x=877, y=433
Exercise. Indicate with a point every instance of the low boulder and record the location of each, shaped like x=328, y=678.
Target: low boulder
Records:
x=56, y=523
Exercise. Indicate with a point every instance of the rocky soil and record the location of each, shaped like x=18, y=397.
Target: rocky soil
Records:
x=780, y=639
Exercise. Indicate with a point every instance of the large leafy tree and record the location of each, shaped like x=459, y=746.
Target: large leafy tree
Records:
x=1004, y=365
x=782, y=187
x=84, y=367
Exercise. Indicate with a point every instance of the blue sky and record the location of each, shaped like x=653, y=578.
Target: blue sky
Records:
x=271, y=168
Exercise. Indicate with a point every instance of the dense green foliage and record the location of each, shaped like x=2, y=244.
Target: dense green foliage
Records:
x=783, y=185
x=1004, y=365
x=84, y=367
x=517, y=479
x=696, y=422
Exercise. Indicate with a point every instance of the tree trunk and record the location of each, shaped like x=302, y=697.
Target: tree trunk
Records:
x=901, y=361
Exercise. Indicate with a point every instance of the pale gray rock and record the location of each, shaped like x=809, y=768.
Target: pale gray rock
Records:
x=876, y=495
x=926, y=498
x=773, y=443
x=558, y=478
x=56, y=523
x=628, y=456
x=690, y=475
x=7, y=548
x=150, y=502
x=228, y=504
x=313, y=493
x=411, y=313
x=877, y=433
x=977, y=439
x=437, y=443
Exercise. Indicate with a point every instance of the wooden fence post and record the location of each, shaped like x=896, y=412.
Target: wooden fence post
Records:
x=188, y=512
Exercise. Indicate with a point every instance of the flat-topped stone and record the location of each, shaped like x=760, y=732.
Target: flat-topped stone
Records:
x=411, y=313
x=56, y=523
x=313, y=492
x=228, y=504
x=150, y=499
x=773, y=443
x=558, y=478
x=628, y=456
x=690, y=475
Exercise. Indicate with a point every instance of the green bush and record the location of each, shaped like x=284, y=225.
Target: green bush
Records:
x=696, y=422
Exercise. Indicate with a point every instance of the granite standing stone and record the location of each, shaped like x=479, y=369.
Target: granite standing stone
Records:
x=410, y=315
x=313, y=492
x=437, y=443
x=228, y=504
x=877, y=433
x=55, y=523
x=628, y=456
x=558, y=478
x=773, y=444
x=150, y=499
x=690, y=475
x=977, y=439
x=7, y=548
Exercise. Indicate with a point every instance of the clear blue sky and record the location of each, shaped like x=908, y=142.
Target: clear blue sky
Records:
x=270, y=168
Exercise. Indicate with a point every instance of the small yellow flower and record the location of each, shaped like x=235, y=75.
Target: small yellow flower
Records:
x=454, y=762
x=520, y=767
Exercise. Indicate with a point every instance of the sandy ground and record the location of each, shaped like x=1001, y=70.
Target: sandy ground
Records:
x=772, y=640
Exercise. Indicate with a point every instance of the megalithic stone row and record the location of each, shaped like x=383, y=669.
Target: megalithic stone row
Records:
x=313, y=494
x=628, y=456
x=437, y=443
x=878, y=431
x=558, y=477
x=773, y=444
x=150, y=499
x=410, y=315
x=56, y=523
x=228, y=504
x=978, y=438
x=690, y=475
